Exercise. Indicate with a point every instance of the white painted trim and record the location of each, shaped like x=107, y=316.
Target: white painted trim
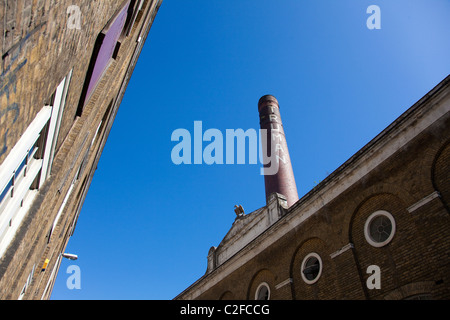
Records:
x=96, y=133
x=10, y=211
x=18, y=217
x=55, y=123
x=19, y=151
x=63, y=205
x=29, y=280
x=308, y=256
x=342, y=250
x=263, y=284
x=367, y=224
x=423, y=201
x=19, y=194
x=58, y=120
x=283, y=283
x=18, y=205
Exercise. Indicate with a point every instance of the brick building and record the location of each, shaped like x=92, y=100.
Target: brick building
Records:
x=64, y=70
x=378, y=227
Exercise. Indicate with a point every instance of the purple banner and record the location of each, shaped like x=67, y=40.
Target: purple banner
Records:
x=108, y=38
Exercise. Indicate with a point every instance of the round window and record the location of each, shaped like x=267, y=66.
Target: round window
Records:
x=311, y=268
x=263, y=292
x=379, y=228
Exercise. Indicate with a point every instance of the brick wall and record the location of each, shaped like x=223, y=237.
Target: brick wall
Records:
x=38, y=51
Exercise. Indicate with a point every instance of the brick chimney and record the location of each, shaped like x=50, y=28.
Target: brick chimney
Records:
x=282, y=181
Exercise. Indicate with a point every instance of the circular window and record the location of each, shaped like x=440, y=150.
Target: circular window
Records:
x=379, y=228
x=311, y=268
x=262, y=292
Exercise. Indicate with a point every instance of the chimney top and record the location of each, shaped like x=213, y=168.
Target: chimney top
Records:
x=266, y=100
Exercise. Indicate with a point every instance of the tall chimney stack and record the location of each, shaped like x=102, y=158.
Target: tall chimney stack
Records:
x=283, y=180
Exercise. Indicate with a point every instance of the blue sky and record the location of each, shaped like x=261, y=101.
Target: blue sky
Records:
x=147, y=224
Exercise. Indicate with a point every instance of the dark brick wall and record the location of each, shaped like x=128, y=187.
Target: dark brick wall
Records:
x=38, y=51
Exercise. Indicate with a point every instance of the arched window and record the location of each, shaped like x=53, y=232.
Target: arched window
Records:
x=263, y=292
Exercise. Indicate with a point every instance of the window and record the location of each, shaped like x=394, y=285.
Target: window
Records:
x=28, y=165
x=379, y=228
x=57, y=103
x=103, y=123
x=29, y=280
x=20, y=177
x=262, y=292
x=105, y=49
x=311, y=268
x=63, y=205
x=133, y=10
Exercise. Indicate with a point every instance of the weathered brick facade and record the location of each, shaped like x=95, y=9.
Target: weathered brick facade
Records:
x=42, y=43
x=404, y=171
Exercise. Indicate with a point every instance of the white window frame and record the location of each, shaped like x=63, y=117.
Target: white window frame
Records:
x=19, y=198
x=63, y=205
x=29, y=280
x=262, y=284
x=54, y=126
x=369, y=220
x=308, y=256
x=15, y=207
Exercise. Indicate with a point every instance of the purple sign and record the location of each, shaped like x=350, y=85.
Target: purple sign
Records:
x=105, y=47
